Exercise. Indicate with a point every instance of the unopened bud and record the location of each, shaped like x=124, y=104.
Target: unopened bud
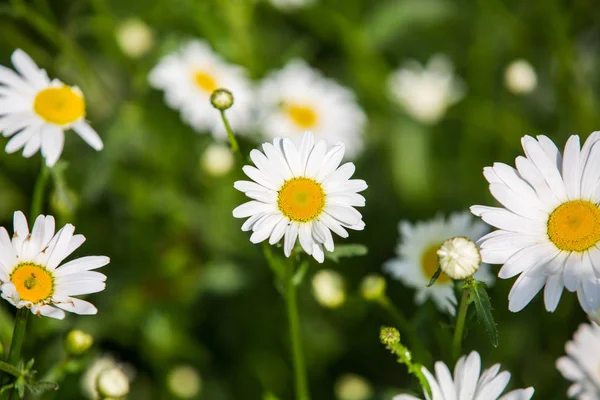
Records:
x=221, y=99
x=389, y=335
x=353, y=387
x=78, y=342
x=184, y=382
x=134, y=37
x=217, y=160
x=112, y=383
x=459, y=257
x=328, y=288
x=520, y=77
x=373, y=287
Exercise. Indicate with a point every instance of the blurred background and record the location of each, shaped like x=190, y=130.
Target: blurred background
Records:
x=185, y=285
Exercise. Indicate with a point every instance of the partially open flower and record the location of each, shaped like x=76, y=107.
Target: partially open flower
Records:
x=221, y=99
x=459, y=257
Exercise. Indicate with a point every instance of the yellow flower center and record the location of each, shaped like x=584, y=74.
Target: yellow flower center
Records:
x=205, y=81
x=303, y=116
x=33, y=282
x=575, y=225
x=301, y=199
x=59, y=105
x=430, y=264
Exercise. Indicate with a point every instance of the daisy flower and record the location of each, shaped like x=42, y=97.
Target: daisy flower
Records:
x=300, y=193
x=426, y=92
x=189, y=76
x=31, y=274
x=299, y=98
x=581, y=365
x=549, y=227
x=35, y=111
x=469, y=382
x=417, y=259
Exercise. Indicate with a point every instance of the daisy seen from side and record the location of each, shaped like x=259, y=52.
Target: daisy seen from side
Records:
x=190, y=75
x=35, y=112
x=31, y=274
x=417, y=258
x=299, y=98
x=300, y=194
x=549, y=225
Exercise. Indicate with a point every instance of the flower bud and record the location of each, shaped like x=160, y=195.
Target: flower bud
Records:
x=221, y=99
x=78, y=342
x=112, y=383
x=373, y=287
x=389, y=336
x=459, y=257
x=328, y=288
x=217, y=160
x=520, y=77
x=353, y=387
x=184, y=382
x=134, y=38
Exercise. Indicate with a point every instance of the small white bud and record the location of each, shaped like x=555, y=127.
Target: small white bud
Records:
x=373, y=287
x=78, y=342
x=112, y=383
x=459, y=257
x=184, y=382
x=520, y=77
x=217, y=160
x=328, y=288
x=353, y=387
x=134, y=38
x=221, y=99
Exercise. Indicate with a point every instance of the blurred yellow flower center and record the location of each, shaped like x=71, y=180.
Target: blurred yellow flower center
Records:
x=430, y=264
x=59, y=105
x=33, y=282
x=205, y=81
x=575, y=225
x=303, y=116
x=301, y=199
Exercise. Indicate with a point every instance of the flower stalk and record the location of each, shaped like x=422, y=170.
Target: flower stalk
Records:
x=460, y=324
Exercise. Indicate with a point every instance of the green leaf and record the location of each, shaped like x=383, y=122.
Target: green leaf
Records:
x=41, y=387
x=484, y=310
x=347, y=251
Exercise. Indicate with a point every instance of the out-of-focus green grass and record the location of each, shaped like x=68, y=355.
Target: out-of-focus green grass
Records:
x=186, y=286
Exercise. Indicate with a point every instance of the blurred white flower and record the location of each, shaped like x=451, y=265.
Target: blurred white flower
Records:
x=31, y=274
x=184, y=382
x=520, y=77
x=300, y=193
x=581, y=365
x=417, y=259
x=112, y=383
x=426, y=92
x=469, y=382
x=459, y=257
x=190, y=76
x=89, y=378
x=217, y=160
x=352, y=387
x=549, y=223
x=289, y=5
x=299, y=98
x=36, y=111
x=134, y=37
x=329, y=288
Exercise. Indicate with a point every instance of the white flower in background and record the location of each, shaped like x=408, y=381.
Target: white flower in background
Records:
x=289, y=5
x=91, y=374
x=581, y=365
x=299, y=98
x=217, y=160
x=189, y=77
x=112, y=383
x=353, y=387
x=459, y=257
x=300, y=193
x=469, y=382
x=549, y=227
x=184, y=382
x=417, y=259
x=329, y=288
x=520, y=77
x=31, y=275
x=35, y=111
x=426, y=92
x=134, y=37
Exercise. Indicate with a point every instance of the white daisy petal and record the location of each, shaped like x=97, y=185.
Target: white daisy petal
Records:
x=87, y=133
x=82, y=264
x=78, y=306
x=53, y=140
x=30, y=71
x=553, y=291
x=523, y=291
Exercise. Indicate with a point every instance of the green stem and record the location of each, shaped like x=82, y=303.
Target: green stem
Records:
x=38, y=192
x=407, y=328
x=14, y=354
x=235, y=147
x=301, y=383
x=9, y=369
x=460, y=325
